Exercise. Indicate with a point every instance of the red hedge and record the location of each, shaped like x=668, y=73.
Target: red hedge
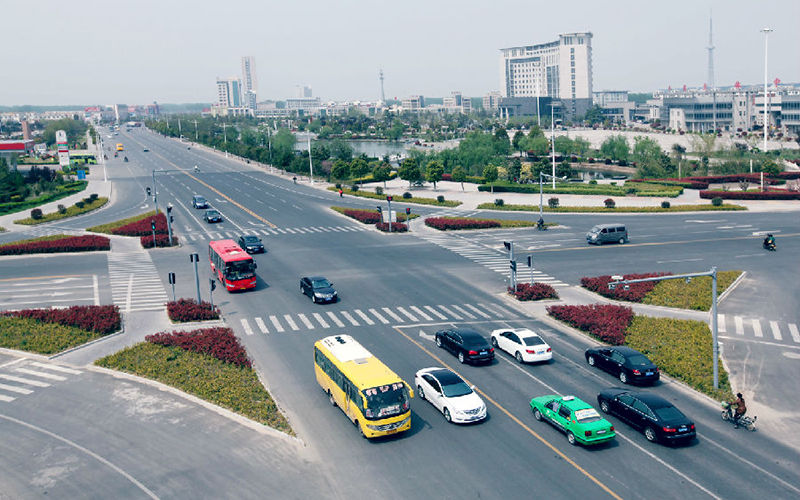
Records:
x=397, y=227
x=66, y=244
x=162, y=240
x=365, y=216
x=606, y=322
x=635, y=293
x=218, y=342
x=537, y=291
x=184, y=310
x=142, y=227
x=750, y=195
x=445, y=223
x=100, y=319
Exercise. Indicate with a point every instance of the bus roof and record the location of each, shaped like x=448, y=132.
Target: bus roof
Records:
x=229, y=251
x=357, y=363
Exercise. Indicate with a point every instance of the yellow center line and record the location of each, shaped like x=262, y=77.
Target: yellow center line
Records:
x=515, y=419
x=706, y=240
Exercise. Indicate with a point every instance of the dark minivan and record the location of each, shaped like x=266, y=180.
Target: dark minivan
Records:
x=607, y=233
x=467, y=345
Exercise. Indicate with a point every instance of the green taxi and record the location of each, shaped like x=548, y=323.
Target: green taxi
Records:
x=578, y=420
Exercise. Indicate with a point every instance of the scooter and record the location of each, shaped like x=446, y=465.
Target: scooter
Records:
x=769, y=246
x=747, y=422
x=541, y=226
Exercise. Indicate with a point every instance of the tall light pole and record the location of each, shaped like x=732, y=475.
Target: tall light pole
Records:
x=195, y=131
x=766, y=32
x=310, y=163
x=553, y=140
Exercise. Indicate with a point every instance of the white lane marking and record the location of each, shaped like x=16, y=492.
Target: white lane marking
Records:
x=288, y=230
x=721, y=323
x=25, y=381
x=363, y=316
x=793, y=331
x=406, y=313
x=321, y=321
x=392, y=314
x=276, y=323
x=246, y=326
x=56, y=368
x=737, y=320
x=435, y=312
x=464, y=311
x=261, y=325
x=291, y=322
x=448, y=311
x=378, y=315
x=477, y=310
x=776, y=331
x=306, y=321
x=421, y=313
x=129, y=294
x=349, y=318
x=48, y=376
x=676, y=260
x=7, y=399
x=335, y=319
x=13, y=388
x=96, y=288
x=757, y=328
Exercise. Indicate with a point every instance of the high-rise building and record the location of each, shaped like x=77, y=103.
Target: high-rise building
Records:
x=303, y=91
x=229, y=92
x=249, y=81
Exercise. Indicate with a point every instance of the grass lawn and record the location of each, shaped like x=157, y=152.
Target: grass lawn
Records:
x=25, y=334
x=70, y=212
x=399, y=199
x=654, y=209
x=107, y=228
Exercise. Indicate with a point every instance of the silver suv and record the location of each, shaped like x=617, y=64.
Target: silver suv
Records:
x=199, y=201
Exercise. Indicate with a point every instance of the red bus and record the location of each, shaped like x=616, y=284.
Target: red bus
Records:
x=231, y=265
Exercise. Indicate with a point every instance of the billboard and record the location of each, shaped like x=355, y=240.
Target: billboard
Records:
x=63, y=158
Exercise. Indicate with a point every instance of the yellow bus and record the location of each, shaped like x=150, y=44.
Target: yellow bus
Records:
x=372, y=396
x=119, y=147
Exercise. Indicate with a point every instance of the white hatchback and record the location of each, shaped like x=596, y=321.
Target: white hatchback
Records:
x=449, y=394
x=524, y=344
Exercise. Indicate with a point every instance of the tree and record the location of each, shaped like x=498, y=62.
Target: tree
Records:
x=501, y=134
x=359, y=167
x=490, y=174
x=319, y=153
x=677, y=152
x=564, y=144
x=341, y=150
x=459, y=175
x=381, y=173
x=409, y=171
x=283, y=147
x=340, y=170
x=514, y=168
x=651, y=162
x=615, y=148
x=770, y=167
x=519, y=137
x=538, y=145
x=564, y=169
x=594, y=115
x=434, y=171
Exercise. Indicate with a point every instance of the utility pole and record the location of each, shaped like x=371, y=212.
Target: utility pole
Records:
x=194, y=258
x=195, y=131
x=310, y=162
x=553, y=140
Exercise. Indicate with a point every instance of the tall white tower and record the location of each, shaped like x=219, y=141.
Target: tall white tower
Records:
x=710, y=49
x=383, y=96
x=249, y=81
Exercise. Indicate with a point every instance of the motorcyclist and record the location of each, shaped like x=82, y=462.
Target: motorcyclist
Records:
x=540, y=224
x=739, y=409
x=769, y=241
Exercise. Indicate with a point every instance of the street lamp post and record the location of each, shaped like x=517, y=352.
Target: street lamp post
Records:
x=553, y=140
x=766, y=32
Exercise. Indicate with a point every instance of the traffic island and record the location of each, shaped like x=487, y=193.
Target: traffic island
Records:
x=376, y=218
x=188, y=311
x=459, y=223
x=616, y=209
x=58, y=243
x=92, y=202
x=535, y=291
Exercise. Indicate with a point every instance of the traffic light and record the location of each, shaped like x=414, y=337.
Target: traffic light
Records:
x=530, y=261
x=380, y=210
x=171, y=219
x=213, y=284
x=408, y=210
x=171, y=277
x=169, y=208
x=514, y=265
x=147, y=190
x=389, y=198
x=507, y=244
x=153, y=225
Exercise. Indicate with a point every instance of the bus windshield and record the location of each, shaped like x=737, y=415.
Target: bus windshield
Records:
x=239, y=270
x=386, y=400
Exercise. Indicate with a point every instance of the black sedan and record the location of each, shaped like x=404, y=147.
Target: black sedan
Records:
x=467, y=345
x=251, y=244
x=318, y=288
x=213, y=216
x=651, y=414
x=628, y=364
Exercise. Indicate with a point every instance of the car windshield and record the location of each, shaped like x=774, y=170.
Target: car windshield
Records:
x=386, y=400
x=533, y=341
x=251, y=240
x=595, y=229
x=456, y=390
x=322, y=283
x=638, y=360
x=240, y=269
x=669, y=413
x=587, y=415
x=200, y=199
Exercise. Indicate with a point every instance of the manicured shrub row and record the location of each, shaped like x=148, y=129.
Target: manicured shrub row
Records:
x=365, y=216
x=472, y=179
x=81, y=207
x=60, y=244
x=28, y=334
x=224, y=384
x=586, y=189
x=98, y=319
x=577, y=209
x=445, y=223
x=537, y=291
x=184, y=310
x=107, y=228
x=397, y=227
x=702, y=182
x=61, y=192
x=695, y=295
x=750, y=195
x=606, y=322
x=142, y=226
x=790, y=175
x=635, y=293
x=162, y=240
x=689, y=184
x=218, y=342
x=419, y=201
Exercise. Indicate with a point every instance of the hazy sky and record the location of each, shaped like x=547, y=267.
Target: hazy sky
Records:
x=137, y=51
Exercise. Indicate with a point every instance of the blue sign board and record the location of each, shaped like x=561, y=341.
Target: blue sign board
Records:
x=81, y=174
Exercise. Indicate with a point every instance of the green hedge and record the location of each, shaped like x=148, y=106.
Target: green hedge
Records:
x=224, y=384
x=30, y=335
x=638, y=189
x=61, y=192
x=694, y=295
x=71, y=212
x=107, y=228
x=673, y=208
x=419, y=201
x=682, y=349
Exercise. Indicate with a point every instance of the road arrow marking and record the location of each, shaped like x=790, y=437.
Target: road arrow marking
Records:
x=426, y=336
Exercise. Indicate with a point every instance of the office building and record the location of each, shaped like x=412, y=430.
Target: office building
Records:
x=456, y=102
x=615, y=105
x=491, y=100
x=249, y=82
x=413, y=103
x=229, y=92
x=303, y=91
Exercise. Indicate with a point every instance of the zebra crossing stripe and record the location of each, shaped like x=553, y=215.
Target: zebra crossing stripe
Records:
x=463, y=311
x=378, y=315
x=56, y=368
x=502, y=310
x=363, y=316
x=721, y=323
x=306, y=321
x=421, y=313
x=335, y=319
x=321, y=321
x=291, y=322
x=48, y=376
x=325, y=229
x=435, y=312
x=406, y=313
x=776, y=332
x=793, y=331
x=449, y=312
x=757, y=328
x=477, y=310
x=392, y=314
x=737, y=321
x=261, y=325
x=246, y=326
x=13, y=388
x=25, y=381
x=7, y=399
x=289, y=230
x=276, y=323
x=349, y=318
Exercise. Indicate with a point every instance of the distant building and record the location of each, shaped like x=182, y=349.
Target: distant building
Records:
x=303, y=105
x=790, y=114
x=26, y=130
x=456, y=102
x=303, y=91
x=230, y=100
x=413, y=103
x=249, y=82
x=491, y=100
x=615, y=105
x=121, y=113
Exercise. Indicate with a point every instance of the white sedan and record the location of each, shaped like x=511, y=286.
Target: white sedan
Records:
x=449, y=394
x=523, y=344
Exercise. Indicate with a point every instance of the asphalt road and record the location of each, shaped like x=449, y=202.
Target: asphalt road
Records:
x=510, y=454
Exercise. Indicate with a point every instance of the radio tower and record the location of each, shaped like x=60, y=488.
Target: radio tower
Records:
x=383, y=96
x=710, y=56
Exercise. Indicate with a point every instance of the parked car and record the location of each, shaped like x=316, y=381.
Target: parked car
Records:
x=251, y=244
x=449, y=394
x=575, y=418
x=659, y=419
x=628, y=364
x=199, y=201
x=607, y=233
x=318, y=288
x=524, y=344
x=467, y=345
x=213, y=216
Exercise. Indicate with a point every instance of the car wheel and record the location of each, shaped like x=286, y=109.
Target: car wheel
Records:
x=302, y=290
x=438, y=342
x=447, y=415
x=360, y=429
x=622, y=241
x=590, y=360
x=751, y=427
x=537, y=414
x=330, y=398
x=461, y=357
x=623, y=377
x=604, y=406
x=571, y=438
x=650, y=434
x=494, y=342
x=518, y=356
x=314, y=299
x=420, y=392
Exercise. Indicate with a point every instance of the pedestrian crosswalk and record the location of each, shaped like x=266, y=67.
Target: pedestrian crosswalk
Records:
x=135, y=284
x=288, y=323
x=761, y=329
x=23, y=377
x=491, y=258
x=272, y=232
x=36, y=232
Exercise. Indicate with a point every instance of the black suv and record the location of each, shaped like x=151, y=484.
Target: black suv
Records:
x=250, y=244
x=467, y=345
x=213, y=216
x=199, y=201
x=318, y=288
